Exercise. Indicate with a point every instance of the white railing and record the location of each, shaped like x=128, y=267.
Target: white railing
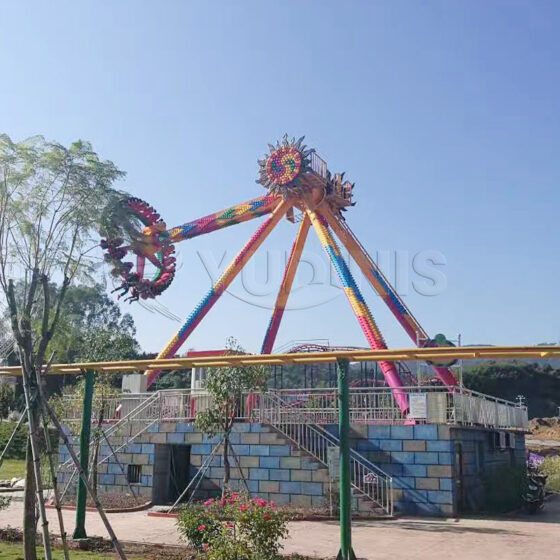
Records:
x=318, y=165
x=476, y=409
x=366, y=478
x=134, y=420
x=371, y=405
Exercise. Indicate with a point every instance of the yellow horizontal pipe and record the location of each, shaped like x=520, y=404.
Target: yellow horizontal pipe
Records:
x=304, y=360
x=411, y=354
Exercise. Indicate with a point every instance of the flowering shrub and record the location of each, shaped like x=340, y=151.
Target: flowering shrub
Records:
x=234, y=527
x=198, y=526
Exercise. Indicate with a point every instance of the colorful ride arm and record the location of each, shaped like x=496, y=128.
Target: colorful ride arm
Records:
x=285, y=287
x=382, y=286
x=359, y=306
x=222, y=219
x=221, y=285
x=156, y=244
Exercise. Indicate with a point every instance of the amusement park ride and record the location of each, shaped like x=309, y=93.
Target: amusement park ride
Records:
x=296, y=178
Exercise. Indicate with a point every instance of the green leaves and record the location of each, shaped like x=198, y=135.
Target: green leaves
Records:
x=7, y=400
x=52, y=200
x=227, y=387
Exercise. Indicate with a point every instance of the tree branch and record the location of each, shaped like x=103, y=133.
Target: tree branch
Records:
x=12, y=308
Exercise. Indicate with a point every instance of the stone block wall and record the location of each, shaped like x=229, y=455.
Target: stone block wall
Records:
x=273, y=467
x=480, y=459
x=421, y=460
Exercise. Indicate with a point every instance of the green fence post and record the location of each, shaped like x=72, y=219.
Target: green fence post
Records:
x=80, y=530
x=346, y=552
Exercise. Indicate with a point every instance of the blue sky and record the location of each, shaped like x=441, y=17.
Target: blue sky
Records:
x=444, y=113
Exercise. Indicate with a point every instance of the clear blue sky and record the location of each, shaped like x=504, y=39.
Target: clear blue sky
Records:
x=446, y=114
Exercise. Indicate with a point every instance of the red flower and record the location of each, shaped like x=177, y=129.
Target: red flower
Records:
x=201, y=528
x=209, y=502
x=244, y=507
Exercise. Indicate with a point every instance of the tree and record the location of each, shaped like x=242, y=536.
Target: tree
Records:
x=7, y=400
x=227, y=387
x=53, y=201
x=92, y=328
x=539, y=383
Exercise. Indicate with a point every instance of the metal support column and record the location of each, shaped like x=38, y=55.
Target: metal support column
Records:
x=80, y=530
x=346, y=552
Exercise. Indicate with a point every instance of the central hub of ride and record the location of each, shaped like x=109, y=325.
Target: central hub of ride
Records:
x=287, y=161
x=292, y=169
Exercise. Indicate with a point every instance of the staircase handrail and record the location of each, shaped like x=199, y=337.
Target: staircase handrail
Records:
x=356, y=459
x=114, y=427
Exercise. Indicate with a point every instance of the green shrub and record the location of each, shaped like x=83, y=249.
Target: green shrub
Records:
x=551, y=467
x=504, y=488
x=234, y=528
x=19, y=443
x=18, y=446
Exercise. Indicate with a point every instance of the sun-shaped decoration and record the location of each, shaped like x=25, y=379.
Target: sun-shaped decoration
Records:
x=280, y=170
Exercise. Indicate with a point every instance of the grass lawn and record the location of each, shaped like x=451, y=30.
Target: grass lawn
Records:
x=12, y=468
x=14, y=552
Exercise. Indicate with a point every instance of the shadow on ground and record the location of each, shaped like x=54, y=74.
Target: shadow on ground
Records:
x=430, y=527
x=443, y=527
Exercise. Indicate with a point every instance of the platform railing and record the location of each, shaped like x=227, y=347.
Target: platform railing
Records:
x=319, y=165
x=370, y=405
x=377, y=406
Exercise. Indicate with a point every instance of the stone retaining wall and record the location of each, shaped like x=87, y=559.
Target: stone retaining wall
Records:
x=422, y=460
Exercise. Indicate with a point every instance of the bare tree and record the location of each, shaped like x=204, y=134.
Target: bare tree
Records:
x=53, y=201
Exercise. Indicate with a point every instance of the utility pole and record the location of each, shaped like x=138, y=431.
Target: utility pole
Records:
x=346, y=552
x=80, y=530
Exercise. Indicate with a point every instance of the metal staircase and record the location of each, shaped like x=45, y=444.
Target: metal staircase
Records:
x=368, y=481
x=133, y=424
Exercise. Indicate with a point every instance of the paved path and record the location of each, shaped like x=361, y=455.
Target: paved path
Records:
x=516, y=537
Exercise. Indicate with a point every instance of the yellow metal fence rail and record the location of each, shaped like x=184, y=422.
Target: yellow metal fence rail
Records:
x=407, y=354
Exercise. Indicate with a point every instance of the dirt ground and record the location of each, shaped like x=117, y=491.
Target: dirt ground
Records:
x=545, y=428
x=514, y=537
